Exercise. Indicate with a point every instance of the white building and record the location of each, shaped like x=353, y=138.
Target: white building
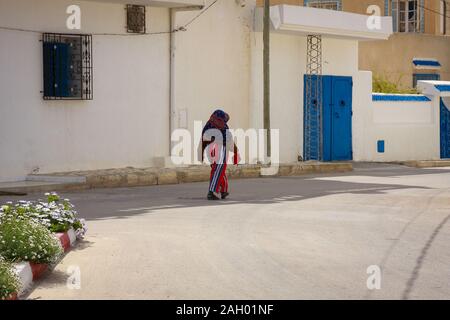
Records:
x=145, y=86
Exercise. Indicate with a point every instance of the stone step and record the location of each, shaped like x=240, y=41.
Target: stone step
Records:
x=427, y=163
x=134, y=177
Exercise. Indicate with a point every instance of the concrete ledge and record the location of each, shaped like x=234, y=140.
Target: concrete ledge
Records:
x=136, y=177
x=167, y=176
x=37, y=186
x=56, y=179
x=425, y=163
x=193, y=174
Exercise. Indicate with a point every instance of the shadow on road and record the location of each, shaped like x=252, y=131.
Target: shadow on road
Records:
x=119, y=203
x=128, y=202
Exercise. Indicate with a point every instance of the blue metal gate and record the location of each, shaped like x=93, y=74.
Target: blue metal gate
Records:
x=445, y=131
x=336, y=120
x=312, y=128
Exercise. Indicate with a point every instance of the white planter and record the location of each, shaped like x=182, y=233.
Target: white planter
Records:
x=23, y=271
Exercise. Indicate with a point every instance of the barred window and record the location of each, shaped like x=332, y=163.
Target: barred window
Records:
x=324, y=4
x=67, y=66
x=424, y=76
x=135, y=19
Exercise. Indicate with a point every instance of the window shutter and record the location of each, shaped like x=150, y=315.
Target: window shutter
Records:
x=394, y=14
x=56, y=69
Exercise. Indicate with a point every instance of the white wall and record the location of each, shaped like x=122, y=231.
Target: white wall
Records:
x=288, y=66
x=212, y=64
x=125, y=124
x=410, y=130
x=218, y=63
x=362, y=116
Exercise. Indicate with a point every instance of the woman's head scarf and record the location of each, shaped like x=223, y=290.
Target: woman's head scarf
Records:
x=218, y=120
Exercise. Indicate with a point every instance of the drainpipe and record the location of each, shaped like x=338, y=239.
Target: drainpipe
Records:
x=173, y=27
x=266, y=68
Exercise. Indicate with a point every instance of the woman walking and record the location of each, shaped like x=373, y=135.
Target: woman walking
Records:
x=217, y=139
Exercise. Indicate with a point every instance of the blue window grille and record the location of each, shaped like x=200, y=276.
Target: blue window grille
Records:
x=424, y=76
x=67, y=67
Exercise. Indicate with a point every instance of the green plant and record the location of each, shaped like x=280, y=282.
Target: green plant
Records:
x=9, y=283
x=22, y=239
x=382, y=85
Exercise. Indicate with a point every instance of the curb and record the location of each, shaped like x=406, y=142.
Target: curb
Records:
x=134, y=177
x=29, y=272
x=425, y=163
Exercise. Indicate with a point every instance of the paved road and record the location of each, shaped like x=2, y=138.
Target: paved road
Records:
x=277, y=238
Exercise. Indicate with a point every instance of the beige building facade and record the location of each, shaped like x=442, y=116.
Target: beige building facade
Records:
x=420, y=47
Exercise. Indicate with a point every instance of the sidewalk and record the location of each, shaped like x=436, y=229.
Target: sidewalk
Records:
x=134, y=177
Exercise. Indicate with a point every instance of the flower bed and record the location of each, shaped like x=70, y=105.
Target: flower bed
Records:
x=23, y=239
x=55, y=214
x=35, y=233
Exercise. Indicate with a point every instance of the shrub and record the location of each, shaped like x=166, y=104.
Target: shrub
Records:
x=382, y=85
x=23, y=239
x=9, y=283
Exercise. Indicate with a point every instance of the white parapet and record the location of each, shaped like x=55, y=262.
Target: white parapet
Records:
x=339, y=24
x=158, y=3
x=435, y=88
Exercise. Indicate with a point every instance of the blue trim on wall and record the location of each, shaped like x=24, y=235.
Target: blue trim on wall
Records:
x=430, y=63
x=443, y=87
x=386, y=7
x=399, y=97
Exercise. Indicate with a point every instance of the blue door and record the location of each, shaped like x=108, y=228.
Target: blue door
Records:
x=335, y=133
x=341, y=118
x=445, y=131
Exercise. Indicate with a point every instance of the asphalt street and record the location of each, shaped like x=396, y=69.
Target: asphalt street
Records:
x=311, y=237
